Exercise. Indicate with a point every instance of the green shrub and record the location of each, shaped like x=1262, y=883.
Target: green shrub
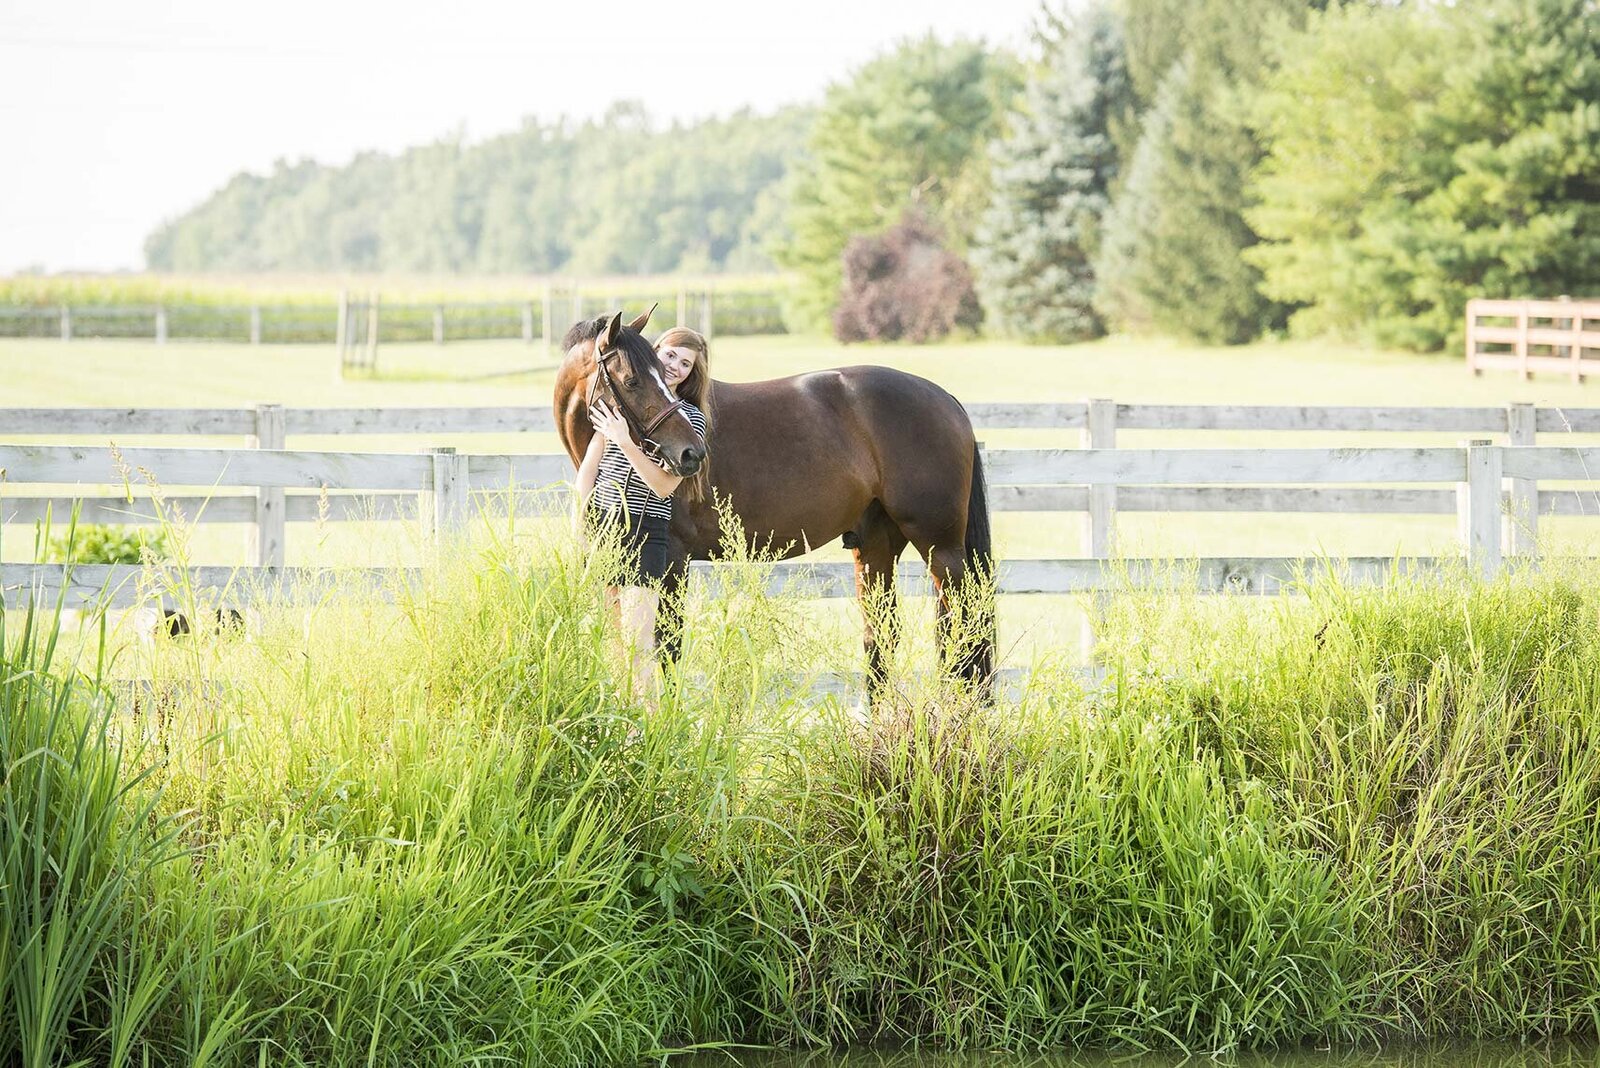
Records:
x=99, y=543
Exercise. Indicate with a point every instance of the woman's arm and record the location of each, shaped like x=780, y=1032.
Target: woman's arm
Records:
x=609, y=424
x=587, y=470
x=661, y=481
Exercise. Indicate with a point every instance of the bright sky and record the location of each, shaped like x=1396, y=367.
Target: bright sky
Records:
x=117, y=114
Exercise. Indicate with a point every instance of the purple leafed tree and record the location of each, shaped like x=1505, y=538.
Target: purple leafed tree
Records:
x=904, y=285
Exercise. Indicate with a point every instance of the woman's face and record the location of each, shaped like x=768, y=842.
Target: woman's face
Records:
x=676, y=363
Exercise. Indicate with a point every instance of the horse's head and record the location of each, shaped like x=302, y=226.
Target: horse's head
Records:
x=627, y=374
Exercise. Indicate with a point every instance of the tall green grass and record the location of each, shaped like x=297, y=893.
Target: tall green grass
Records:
x=83, y=839
x=435, y=828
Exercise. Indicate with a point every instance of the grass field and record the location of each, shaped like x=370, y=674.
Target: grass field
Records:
x=138, y=374
x=87, y=372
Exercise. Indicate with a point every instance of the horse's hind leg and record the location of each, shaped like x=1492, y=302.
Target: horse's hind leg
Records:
x=876, y=542
x=963, y=633
x=958, y=651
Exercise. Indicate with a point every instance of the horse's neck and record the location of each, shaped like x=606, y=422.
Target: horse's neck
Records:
x=571, y=396
x=572, y=377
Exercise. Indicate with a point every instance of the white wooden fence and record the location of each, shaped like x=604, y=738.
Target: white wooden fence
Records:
x=1529, y=336
x=1471, y=480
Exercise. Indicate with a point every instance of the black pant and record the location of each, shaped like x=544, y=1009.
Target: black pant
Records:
x=644, y=544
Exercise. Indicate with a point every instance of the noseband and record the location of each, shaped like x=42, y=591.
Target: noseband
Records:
x=639, y=429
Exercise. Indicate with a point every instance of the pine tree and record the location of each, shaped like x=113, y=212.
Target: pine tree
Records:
x=1420, y=158
x=1340, y=120
x=1123, y=275
x=1156, y=33
x=1518, y=214
x=1171, y=255
x=1052, y=184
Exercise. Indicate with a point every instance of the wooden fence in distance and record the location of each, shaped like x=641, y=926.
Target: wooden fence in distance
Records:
x=1534, y=336
x=543, y=317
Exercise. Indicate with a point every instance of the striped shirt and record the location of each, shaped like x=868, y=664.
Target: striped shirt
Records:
x=618, y=487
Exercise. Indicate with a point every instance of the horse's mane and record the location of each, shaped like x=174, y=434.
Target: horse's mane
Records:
x=641, y=357
x=581, y=331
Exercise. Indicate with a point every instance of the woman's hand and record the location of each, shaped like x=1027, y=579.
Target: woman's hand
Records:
x=609, y=423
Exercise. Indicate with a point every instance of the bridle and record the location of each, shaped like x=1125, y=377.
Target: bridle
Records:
x=637, y=427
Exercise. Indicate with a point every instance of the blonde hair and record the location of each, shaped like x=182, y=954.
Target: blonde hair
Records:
x=696, y=389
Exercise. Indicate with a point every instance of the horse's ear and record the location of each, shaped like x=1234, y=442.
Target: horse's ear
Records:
x=609, y=334
x=640, y=322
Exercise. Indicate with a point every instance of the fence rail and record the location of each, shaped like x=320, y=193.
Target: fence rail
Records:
x=128, y=585
x=442, y=481
x=1528, y=336
x=1510, y=419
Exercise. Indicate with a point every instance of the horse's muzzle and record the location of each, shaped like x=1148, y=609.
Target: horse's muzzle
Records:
x=689, y=461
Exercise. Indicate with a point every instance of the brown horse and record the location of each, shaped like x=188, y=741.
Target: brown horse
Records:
x=877, y=456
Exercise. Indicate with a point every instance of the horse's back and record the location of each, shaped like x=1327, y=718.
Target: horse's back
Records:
x=878, y=398
x=803, y=457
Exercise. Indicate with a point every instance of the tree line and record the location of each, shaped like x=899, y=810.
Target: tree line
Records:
x=617, y=195
x=1214, y=169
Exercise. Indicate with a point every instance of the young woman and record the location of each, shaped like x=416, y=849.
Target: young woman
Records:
x=618, y=485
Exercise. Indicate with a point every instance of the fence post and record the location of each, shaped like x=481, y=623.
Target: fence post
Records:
x=1522, y=343
x=1099, y=432
x=66, y=323
x=161, y=324
x=705, y=316
x=1472, y=339
x=255, y=324
x=1575, y=350
x=1478, y=505
x=1522, y=522
x=341, y=332
x=447, y=511
x=438, y=324
x=683, y=307
x=268, y=533
x=547, y=314
x=372, y=334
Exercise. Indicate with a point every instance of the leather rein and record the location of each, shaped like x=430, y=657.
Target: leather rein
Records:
x=639, y=429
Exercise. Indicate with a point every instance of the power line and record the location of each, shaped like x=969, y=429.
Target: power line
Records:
x=213, y=46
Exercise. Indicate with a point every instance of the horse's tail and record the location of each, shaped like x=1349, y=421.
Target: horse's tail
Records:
x=980, y=548
x=977, y=662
